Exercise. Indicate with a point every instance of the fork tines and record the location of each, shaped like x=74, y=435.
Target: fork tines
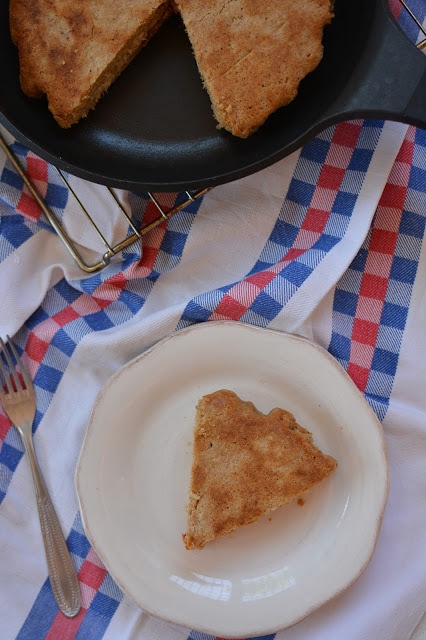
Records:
x=7, y=349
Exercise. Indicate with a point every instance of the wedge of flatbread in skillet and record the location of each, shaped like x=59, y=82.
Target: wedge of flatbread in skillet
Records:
x=72, y=50
x=252, y=54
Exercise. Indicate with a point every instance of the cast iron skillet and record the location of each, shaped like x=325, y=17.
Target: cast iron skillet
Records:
x=154, y=130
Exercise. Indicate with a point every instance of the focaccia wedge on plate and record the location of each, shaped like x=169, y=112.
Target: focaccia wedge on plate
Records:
x=245, y=465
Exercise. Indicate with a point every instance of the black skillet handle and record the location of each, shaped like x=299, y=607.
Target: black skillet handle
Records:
x=389, y=81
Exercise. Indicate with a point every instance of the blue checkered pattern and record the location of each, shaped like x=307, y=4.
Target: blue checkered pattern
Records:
x=58, y=328
x=287, y=260
x=382, y=291
x=104, y=603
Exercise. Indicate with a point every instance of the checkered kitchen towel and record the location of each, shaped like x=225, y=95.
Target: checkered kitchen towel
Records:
x=327, y=243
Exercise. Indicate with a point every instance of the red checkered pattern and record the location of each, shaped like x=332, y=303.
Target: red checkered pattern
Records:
x=239, y=298
x=375, y=279
x=91, y=576
x=37, y=171
x=66, y=630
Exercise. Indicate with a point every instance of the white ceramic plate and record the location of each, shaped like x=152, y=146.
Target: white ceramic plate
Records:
x=134, y=468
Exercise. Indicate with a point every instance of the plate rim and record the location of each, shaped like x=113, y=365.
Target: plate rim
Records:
x=381, y=499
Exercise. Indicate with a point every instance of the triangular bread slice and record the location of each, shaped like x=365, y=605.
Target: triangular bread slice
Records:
x=72, y=50
x=253, y=54
x=245, y=465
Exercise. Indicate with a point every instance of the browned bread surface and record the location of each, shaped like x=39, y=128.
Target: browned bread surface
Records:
x=252, y=54
x=245, y=465
x=72, y=50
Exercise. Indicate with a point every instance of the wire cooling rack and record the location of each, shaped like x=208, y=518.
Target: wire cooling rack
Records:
x=162, y=212
x=164, y=206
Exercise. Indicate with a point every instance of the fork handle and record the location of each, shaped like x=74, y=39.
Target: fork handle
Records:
x=63, y=577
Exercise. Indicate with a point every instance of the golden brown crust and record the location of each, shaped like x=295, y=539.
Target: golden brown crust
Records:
x=73, y=50
x=253, y=55
x=246, y=464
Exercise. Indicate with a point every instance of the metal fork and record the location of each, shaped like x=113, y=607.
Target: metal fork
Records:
x=18, y=398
